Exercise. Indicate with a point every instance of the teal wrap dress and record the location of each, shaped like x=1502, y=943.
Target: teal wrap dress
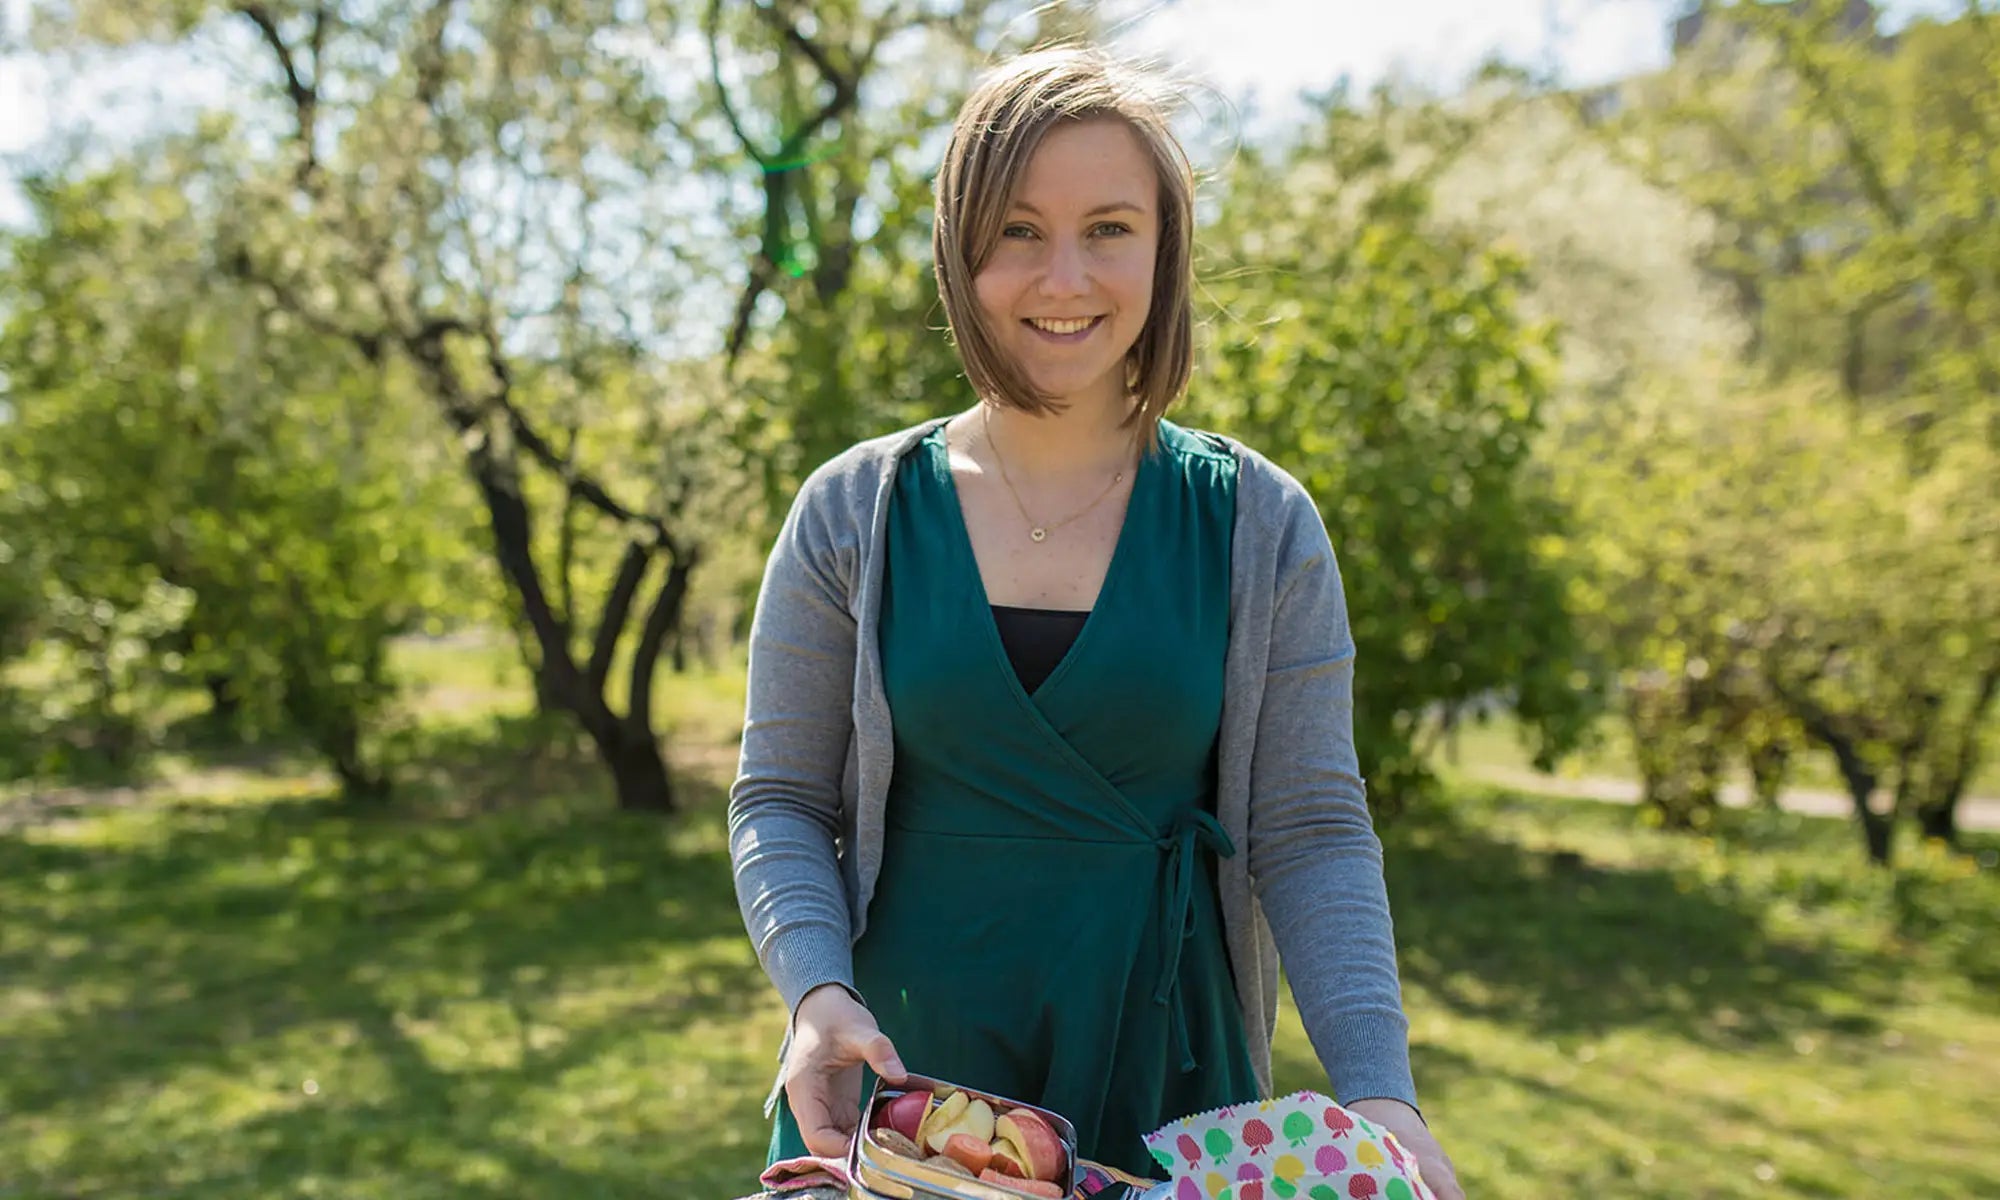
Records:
x=1046, y=924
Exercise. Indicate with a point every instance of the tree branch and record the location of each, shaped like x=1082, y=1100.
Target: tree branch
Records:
x=304, y=96
x=711, y=25
x=1799, y=57
x=617, y=604
x=661, y=619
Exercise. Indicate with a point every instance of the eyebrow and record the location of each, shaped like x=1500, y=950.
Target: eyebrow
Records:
x=1100, y=210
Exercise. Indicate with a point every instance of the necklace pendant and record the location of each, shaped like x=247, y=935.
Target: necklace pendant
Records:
x=1038, y=534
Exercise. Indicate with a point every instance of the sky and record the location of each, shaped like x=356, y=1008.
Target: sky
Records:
x=1260, y=54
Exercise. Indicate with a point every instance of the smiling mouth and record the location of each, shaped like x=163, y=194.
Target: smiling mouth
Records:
x=1067, y=327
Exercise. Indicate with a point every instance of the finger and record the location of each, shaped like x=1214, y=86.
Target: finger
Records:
x=1442, y=1180
x=827, y=1141
x=881, y=1055
x=826, y=1135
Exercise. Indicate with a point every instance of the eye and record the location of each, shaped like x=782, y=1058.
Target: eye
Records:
x=1111, y=229
x=1017, y=231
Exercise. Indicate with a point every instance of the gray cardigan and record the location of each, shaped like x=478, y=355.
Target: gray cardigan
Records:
x=806, y=810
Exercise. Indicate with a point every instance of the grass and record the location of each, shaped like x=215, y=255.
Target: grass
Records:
x=244, y=992
x=1495, y=744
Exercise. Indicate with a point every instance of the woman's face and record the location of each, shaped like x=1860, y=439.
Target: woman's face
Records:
x=1067, y=289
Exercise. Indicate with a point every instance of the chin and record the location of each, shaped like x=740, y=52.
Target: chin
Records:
x=1068, y=386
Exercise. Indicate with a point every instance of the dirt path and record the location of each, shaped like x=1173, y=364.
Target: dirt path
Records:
x=1981, y=813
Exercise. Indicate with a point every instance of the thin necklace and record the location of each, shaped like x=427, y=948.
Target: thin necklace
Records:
x=1037, y=533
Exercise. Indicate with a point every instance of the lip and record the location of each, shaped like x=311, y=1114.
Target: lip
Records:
x=1064, y=339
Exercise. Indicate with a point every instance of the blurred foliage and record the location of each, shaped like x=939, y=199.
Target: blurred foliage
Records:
x=531, y=216
x=1775, y=405
x=1676, y=396
x=214, y=495
x=1387, y=364
x=1813, y=555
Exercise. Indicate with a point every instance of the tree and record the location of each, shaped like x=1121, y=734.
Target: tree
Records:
x=517, y=205
x=1385, y=361
x=1850, y=177
x=207, y=491
x=1614, y=264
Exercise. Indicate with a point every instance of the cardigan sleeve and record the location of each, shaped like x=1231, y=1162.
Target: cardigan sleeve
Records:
x=1315, y=860
x=785, y=804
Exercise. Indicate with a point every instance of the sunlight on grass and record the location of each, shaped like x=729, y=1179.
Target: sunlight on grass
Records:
x=255, y=994
x=1495, y=744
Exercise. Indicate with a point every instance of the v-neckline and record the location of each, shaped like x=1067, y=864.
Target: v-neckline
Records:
x=990, y=627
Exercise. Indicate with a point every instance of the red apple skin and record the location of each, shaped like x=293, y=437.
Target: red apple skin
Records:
x=1038, y=1140
x=1003, y=1162
x=1031, y=1187
x=904, y=1113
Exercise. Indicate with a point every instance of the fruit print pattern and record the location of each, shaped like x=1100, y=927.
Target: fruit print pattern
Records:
x=1298, y=1147
x=1257, y=1136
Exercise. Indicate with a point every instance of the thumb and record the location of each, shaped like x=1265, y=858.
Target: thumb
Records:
x=880, y=1054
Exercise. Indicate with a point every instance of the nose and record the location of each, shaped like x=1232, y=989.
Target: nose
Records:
x=1066, y=273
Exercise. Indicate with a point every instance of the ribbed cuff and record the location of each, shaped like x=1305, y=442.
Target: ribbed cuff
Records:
x=1370, y=1058
x=806, y=957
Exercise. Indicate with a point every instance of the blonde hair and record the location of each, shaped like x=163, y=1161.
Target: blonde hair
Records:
x=996, y=133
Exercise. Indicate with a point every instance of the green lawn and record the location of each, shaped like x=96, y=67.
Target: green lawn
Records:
x=244, y=993
x=1496, y=743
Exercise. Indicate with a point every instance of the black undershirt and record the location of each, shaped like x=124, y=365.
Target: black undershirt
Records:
x=1036, y=639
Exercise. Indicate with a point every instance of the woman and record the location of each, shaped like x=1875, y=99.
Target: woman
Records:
x=1048, y=747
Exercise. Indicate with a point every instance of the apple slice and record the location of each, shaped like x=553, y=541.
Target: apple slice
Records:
x=1031, y=1142
x=1007, y=1159
x=1031, y=1187
x=905, y=1113
x=971, y=1151
x=959, y=1115
x=940, y=1117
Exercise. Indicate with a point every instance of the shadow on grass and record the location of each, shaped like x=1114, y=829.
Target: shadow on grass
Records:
x=202, y=927
x=1551, y=943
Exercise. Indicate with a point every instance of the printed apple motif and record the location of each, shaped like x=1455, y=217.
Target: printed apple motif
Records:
x=1257, y=1136
x=1220, y=1144
x=1361, y=1187
x=1298, y=1127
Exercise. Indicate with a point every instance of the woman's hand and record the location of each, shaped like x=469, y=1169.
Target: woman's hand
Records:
x=1432, y=1162
x=833, y=1034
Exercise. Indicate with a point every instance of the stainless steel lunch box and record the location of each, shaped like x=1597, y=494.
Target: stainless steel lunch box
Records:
x=875, y=1174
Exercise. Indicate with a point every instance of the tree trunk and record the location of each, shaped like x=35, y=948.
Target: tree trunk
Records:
x=1939, y=821
x=1769, y=764
x=638, y=770
x=359, y=782
x=625, y=745
x=223, y=702
x=1877, y=829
